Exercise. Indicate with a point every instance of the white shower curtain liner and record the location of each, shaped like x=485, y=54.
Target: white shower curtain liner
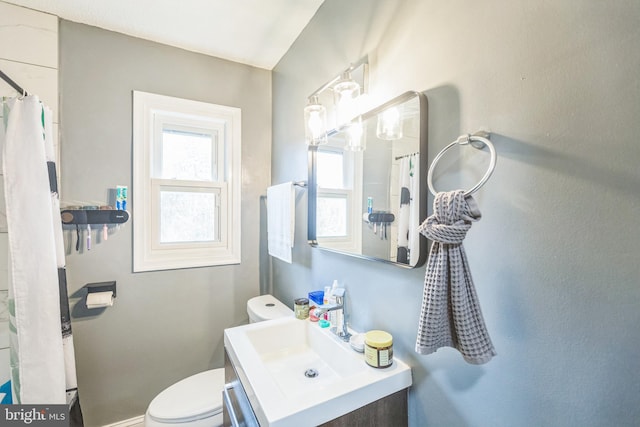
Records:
x=37, y=358
x=409, y=211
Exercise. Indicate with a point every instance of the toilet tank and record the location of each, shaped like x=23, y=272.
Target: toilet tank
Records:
x=266, y=307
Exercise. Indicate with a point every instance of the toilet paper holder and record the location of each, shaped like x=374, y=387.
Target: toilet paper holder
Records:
x=100, y=295
x=101, y=287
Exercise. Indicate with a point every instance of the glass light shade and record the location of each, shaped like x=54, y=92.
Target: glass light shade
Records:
x=389, y=124
x=355, y=140
x=315, y=122
x=346, y=92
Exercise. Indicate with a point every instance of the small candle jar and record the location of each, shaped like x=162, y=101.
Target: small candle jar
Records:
x=378, y=349
x=301, y=308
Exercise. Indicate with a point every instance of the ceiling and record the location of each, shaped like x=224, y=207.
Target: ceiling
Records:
x=253, y=32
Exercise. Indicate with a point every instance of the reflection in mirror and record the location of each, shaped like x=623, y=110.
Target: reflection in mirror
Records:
x=370, y=203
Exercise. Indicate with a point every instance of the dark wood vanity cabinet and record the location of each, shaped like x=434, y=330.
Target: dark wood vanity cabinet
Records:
x=390, y=411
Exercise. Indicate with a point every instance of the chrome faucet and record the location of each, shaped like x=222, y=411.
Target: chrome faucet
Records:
x=340, y=329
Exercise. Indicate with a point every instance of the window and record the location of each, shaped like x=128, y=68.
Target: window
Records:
x=339, y=180
x=333, y=197
x=186, y=188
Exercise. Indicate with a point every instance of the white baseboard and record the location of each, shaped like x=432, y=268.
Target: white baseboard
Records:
x=131, y=422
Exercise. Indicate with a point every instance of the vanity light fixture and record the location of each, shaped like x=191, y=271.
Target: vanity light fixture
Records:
x=345, y=109
x=315, y=122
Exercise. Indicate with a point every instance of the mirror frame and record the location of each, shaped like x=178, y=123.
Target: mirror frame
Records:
x=423, y=190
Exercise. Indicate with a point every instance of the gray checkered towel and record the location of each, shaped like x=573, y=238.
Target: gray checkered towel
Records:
x=451, y=315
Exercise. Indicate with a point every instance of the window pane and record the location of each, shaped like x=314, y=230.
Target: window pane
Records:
x=332, y=217
x=188, y=217
x=187, y=155
x=330, y=172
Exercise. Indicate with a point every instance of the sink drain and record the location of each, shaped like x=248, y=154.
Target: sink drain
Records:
x=311, y=373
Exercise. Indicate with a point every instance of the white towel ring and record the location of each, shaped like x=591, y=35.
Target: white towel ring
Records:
x=478, y=140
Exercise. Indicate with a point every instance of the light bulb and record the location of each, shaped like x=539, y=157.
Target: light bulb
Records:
x=389, y=124
x=354, y=136
x=346, y=92
x=315, y=120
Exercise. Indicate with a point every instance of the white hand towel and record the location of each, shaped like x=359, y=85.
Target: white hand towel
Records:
x=281, y=220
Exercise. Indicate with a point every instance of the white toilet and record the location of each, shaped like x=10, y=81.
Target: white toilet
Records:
x=196, y=401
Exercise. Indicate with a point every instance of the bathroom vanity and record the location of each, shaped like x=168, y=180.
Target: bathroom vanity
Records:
x=291, y=373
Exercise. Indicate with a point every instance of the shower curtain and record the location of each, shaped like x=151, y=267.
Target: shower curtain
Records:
x=408, y=214
x=42, y=360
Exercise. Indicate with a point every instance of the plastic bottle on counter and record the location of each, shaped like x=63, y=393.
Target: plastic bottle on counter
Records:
x=333, y=318
x=325, y=300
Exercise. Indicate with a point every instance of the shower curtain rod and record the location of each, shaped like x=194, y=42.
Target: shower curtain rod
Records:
x=13, y=84
x=406, y=155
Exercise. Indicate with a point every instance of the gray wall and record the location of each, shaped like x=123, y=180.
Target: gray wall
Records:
x=164, y=325
x=555, y=256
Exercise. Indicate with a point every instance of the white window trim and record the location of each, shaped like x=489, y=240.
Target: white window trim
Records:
x=147, y=256
x=180, y=123
x=352, y=164
x=218, y=188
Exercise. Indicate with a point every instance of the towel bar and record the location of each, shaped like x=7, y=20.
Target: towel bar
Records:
x=302, y=184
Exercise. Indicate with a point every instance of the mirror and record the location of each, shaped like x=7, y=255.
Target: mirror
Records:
x=369, y=203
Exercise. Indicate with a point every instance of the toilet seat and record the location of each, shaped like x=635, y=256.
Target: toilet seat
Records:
x=196, y=397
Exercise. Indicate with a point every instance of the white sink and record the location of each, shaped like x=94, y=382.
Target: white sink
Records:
x=272, y=357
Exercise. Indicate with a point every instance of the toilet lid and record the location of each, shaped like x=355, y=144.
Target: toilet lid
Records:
x=196, y=397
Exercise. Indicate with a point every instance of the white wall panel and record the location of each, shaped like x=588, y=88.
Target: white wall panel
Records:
x=28, y=36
